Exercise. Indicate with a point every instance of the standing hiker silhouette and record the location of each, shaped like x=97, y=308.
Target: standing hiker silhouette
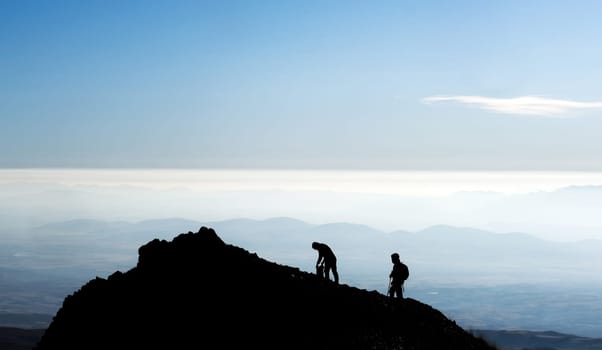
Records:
x=397, y=277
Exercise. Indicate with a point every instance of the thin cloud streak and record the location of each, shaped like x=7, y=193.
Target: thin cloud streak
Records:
x=523, y=105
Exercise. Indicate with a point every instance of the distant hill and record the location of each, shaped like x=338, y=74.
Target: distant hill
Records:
x=524, y=340
x=196, y=291
x=19, y=339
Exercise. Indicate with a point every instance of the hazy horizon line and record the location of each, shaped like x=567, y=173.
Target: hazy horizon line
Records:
x=358, y=169
x=414, y=183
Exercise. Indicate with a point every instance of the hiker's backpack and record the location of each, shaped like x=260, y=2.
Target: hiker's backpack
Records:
x=405, y=272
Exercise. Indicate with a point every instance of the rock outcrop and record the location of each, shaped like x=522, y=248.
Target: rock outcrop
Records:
x=198, y=292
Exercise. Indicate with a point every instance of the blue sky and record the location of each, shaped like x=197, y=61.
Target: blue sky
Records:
x=424, y=85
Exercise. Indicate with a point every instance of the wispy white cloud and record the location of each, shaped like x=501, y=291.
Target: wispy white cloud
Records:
x=523, y=105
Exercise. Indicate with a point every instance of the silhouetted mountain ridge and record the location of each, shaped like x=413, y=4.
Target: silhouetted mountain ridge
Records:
x=197, y=291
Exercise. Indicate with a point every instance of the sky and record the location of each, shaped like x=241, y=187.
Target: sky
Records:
x=396, y=114
x=354, y=85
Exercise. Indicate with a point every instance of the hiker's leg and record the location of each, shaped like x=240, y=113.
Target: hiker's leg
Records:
x=327, y=271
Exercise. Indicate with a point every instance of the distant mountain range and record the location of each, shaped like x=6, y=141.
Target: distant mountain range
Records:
x=438, y=254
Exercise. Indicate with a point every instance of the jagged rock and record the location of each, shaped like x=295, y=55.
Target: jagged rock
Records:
x=199, y=292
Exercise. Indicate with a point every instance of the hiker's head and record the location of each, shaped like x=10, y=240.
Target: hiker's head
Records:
x=314, y=245
x=394, y=257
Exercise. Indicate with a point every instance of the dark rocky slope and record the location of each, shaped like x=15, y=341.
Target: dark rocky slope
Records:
x=199, y=292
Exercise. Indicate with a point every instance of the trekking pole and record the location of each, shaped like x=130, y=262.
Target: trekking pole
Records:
x=389, y=288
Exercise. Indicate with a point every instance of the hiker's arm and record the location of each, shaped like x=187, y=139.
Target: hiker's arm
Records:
x=320, y=257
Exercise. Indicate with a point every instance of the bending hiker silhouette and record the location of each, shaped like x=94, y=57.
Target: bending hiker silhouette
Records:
x=327, y=260
x=397, y=277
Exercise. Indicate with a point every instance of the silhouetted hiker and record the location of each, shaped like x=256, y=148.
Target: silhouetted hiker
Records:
x=326, y=258
x=397, y=277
